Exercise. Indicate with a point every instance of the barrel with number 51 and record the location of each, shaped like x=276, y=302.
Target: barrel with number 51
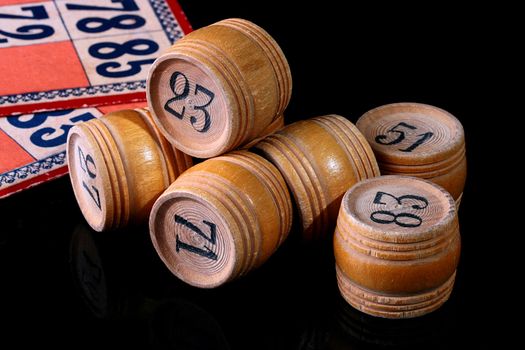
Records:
x=397, y=246
x=119, y=165
x=219, y=87
x=418, y=140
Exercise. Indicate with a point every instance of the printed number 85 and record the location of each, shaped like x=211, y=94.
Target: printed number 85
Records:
x=108, y=50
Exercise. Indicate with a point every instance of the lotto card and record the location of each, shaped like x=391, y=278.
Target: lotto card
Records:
x=33, y=146
x=64, y=54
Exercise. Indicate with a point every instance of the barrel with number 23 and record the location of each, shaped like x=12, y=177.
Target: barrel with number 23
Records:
x=219, y=87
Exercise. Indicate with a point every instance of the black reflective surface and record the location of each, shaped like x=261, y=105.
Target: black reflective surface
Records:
x=65, y=285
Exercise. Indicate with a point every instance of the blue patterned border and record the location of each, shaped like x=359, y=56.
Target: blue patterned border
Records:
x=167, y=20
x=42, y=165
x=172, y=30
x=92, y=90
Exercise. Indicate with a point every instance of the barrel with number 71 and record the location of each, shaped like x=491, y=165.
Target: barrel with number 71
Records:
x=219, y=87
x=397, y=246
x=221, y=219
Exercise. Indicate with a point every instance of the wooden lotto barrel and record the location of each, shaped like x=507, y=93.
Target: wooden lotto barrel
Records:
x=221, y=218
x=219, y=87
x=275, y=126
x=320, y=159
x=397, y=246
x=119, y=165
x=418, y=140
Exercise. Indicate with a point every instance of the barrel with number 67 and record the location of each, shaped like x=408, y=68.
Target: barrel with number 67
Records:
x=219, y=87
x=119, y=165
x=418, y=140
x=397, y=246
x=221, y=219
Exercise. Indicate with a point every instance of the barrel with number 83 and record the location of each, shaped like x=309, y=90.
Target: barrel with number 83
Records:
x=397, y=246
x=119, y=165
x=219, y=87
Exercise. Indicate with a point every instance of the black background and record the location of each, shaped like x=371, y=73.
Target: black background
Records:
x=344, y=61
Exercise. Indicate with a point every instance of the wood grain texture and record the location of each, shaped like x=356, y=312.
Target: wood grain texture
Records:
x=275, y=126
x=119, y=165
x=418, y=140
x=320, y=159
x=219, y=87
x=221, y=219
x=397, y=246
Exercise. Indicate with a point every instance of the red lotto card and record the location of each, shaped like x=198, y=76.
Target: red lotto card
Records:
x=62, y=54
x=71, y=61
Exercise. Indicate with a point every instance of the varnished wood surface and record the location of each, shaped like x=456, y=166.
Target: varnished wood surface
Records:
x=119, y=165
x=221, y=219
x=418, y=140
x=397, y=246
x=320, y=159
x=219, y=88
